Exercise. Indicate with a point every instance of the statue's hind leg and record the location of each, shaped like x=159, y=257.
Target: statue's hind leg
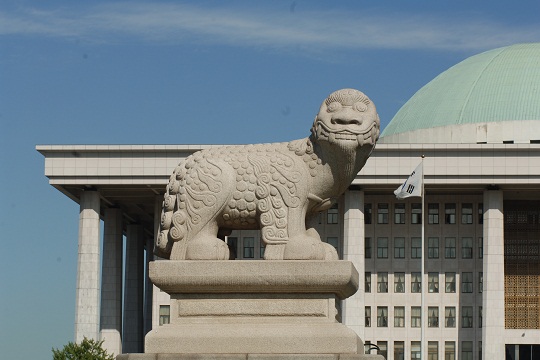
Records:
x=205, y=245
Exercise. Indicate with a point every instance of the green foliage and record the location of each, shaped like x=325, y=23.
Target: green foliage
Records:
x=88, y=349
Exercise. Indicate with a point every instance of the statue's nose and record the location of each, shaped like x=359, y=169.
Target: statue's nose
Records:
x=347, y=116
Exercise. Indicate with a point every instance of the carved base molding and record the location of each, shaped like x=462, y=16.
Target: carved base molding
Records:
x=254, y=310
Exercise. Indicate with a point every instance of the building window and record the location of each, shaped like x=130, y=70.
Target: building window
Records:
x=467, y=282
x=416, y=316
x=480, y=213
x=332, y=215
x=450, y=316
x=466, y=213
x=399, y=282
x=367, y=347
x=332, y=240
x=433, y=350
x=249, y=247
x=433, y=316
x=383, y=348
x=466, y=350
x=480, y=350
x=433, y=213
x=263, y=247
x=433, y=248
x=480, y=247
x=450, y=213
x=382, y=214
x=433, y=282
x=367, y=282
x=368, y=214
x=399, y=213
x=382, y=316
x=416, y=248
x=450, y=282
x=399, y=248
x=164, y=314
x=415, y=350
x=416, y=282
x=466, y=248
x=416, y=213
x=466, y=317
x=367, y=247
x=382, y=282
x=382, y=248
x=368, y=316
x=450, y=248
x=449, y=350
x=399, y=350
x=479, y=316
x=480, y=282
x=399, y=316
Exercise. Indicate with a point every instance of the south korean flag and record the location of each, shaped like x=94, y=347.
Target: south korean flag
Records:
x=412, y=186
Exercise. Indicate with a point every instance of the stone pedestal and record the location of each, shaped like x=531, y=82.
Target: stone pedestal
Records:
x=254, y=310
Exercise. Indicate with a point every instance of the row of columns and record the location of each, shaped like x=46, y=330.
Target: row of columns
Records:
x=101, y=312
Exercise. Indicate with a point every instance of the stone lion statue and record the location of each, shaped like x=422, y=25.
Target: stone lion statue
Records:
x=271, y=187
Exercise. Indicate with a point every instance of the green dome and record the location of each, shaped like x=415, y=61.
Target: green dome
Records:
x=495, y=86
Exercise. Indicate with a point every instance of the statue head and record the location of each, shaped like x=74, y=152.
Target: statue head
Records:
x=347, y=118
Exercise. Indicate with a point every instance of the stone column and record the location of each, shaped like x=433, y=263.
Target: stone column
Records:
x=111, y=283
x=148, y=286
x=353, y=251
x=493, y=265
x=87, y=295
x=133, y=296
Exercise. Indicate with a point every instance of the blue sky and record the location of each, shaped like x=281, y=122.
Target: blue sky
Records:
x=174, y=72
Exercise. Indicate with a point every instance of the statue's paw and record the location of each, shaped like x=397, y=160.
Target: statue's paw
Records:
x=304, y=247
x=330, y=252
x=207, y=248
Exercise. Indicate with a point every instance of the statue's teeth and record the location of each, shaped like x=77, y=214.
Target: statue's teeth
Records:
x=332, y=137
x=360, y=139
x=319, y=130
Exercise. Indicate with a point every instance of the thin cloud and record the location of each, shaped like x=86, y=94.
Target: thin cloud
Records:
x=177, y=23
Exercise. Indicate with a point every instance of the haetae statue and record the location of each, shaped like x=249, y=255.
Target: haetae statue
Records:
x=271, y=187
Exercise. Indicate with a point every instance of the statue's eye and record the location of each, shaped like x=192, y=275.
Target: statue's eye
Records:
x=360, y=106
x=333, y=106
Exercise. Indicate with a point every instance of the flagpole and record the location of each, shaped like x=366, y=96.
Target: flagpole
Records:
x=423, y=314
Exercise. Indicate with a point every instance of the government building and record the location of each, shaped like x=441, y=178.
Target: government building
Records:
x=478, y=126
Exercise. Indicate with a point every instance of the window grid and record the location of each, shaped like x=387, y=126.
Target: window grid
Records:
x=382, y=248
x=466, y=213
x=367, y=282
x=433, y=316
x=450, y=248
x=433, y=247
x=367, y=214
x=433, y=213
x=399, y=350
x=466, y=248
x=433, y=282
x=382, y=282
x=433, y=350
x=399, y=213
x=449, y=350
x=416, y=282
x=416, y=213
x=450, y=282
x=450, y=213
x=416, y=316
x=399, y=282
x=382, y=316
x=466, y=350
x=367, y=248
x=382, y=214
x=399, y=316
x=399, y=248
x=466, y=317
x=415, y=350
x=368, y=316
x=450, y=317
x=467, y=282
x=249, y=247
x=416, y=248
x=332, y=215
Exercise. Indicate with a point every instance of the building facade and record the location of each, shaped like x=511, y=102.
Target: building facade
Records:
x=481, y=217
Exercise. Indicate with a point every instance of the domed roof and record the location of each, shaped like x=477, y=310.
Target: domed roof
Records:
x=495, y=86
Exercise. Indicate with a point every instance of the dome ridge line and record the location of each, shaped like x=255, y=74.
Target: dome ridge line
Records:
x=473, y=87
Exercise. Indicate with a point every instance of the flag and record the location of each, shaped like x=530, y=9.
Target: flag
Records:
x=412, y=186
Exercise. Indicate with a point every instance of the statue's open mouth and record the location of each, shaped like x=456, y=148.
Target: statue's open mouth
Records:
x=368, y=135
